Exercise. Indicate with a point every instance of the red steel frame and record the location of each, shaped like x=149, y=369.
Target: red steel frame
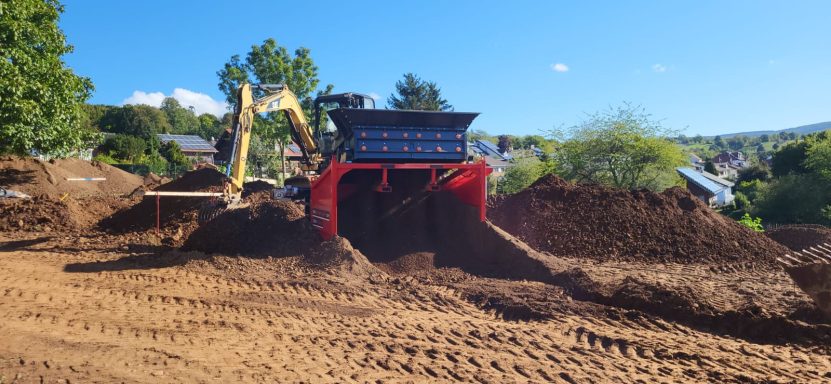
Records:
x=468, y=182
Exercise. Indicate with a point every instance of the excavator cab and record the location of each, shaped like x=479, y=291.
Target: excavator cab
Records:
x=328, y=136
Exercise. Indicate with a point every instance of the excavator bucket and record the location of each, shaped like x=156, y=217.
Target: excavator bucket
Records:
x=811, y=271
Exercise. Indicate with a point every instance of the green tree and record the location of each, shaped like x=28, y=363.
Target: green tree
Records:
x=710, y=167
x=520, y=175
x=40, y=97
x=790, y=158
x=173, y=154
x=270, y=63
x=753, y=172
x=818, y=157
x=504, y=143
x=764, y=138
x=125, y=147
x=417, y=94
x=478, y=134
x=719, y=142
x=137, y=120
x=622, y=147
x=794, y=198
x=182, y=120
x=209, y=127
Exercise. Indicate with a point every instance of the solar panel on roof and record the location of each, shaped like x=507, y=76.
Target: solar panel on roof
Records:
x=700, y=180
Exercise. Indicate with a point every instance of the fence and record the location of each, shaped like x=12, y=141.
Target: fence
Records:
x=171, y=171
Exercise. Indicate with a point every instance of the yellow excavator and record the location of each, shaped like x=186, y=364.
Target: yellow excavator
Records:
x=275, y=98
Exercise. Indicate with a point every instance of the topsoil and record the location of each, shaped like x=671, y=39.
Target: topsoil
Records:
x=597, y=222
x=265, y=227
x=38, y=177
x=58, y=203
x=799, y=237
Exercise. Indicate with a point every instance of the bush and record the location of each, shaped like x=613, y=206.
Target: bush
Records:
x=741, y=201
x=124, y=147
x=754, y=224
x=173, y=154
x=518, y=177
x=794, y=198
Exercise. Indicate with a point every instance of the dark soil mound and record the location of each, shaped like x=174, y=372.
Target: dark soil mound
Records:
x=175, y=211
x=799, y=237
x=264, y=228
x=38, y=177
x=598, y=222
x=254, y=187
x=40, y=214
x=436, y=231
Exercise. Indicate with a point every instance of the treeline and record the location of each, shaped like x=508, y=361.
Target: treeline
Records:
x=707, y=147
x=796, y=188
x=130, y=132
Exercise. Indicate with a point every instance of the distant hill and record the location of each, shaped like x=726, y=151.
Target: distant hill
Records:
x=802, y=130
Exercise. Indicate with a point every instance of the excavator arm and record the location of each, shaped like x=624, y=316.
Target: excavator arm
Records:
x=276, y=98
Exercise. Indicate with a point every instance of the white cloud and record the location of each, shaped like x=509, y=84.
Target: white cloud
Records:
x=375, y=96
x=659, y=68
x=559, y=67
x=200, y=102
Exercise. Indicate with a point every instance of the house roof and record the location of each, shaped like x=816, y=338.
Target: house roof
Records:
x=486, y=148
x=292, y=150
x=695, y=177
x=188, y=143
x=717, y=179
x=695, y=159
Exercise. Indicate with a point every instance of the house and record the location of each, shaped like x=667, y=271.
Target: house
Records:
x=193, y=147
x=736, y=159
x=696, y=162
x=711, y=189
x=500, y=162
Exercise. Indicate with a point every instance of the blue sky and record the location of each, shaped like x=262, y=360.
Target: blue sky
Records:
x=704, y=67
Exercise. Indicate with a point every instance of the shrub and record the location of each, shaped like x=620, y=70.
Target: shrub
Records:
x=754, y=224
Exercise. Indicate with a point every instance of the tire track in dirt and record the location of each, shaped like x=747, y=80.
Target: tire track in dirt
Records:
x=148, y=325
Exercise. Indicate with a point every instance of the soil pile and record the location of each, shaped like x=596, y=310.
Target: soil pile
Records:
x=37, y=177
x=799, y=237
x=40, y=214
x=254, y=187
x=264, y=228
x=176, y=212
x=598, y=222
x=436, y=230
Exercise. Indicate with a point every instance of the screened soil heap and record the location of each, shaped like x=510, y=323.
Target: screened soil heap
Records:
x=263, y=228
x=597, y=222
x=799, y=237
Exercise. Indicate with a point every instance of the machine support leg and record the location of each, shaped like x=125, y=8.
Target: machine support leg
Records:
x=434, y=186
x=158, y=214
x=385, y=185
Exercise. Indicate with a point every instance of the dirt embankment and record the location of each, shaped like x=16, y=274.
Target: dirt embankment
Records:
x=596, y=222
x=60, y=203
x=39, y=177
x=799, y=237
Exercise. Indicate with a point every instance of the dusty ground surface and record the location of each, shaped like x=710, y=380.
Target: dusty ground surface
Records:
x=89, y=292
x=104, y=308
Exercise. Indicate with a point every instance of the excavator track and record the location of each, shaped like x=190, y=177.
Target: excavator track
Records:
x=810, y=269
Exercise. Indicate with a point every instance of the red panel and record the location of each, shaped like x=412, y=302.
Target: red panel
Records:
x=324, y=206
x=468, y=183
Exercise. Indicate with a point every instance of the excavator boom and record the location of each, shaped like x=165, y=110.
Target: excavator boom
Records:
x=276, y=98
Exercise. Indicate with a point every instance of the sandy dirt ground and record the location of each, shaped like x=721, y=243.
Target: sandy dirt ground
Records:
x=103, y=308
